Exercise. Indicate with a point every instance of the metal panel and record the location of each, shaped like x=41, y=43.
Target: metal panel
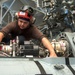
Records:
x=28, y=66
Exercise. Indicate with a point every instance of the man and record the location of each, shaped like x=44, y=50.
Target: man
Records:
x=23, y=26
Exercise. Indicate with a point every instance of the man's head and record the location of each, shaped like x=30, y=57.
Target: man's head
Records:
x=23, y=23
x=25, y=17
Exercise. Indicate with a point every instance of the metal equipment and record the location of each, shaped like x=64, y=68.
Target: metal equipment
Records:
x=64, y=44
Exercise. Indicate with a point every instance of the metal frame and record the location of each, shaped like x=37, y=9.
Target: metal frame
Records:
x=2, y=17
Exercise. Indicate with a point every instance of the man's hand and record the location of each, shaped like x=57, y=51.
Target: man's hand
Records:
x=53, y=55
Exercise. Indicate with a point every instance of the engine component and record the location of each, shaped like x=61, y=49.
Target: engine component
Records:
x=6, y=48
x=67, y=39
x=48, y=3
x=26, y=50
x=29, y=49
x=61, y=47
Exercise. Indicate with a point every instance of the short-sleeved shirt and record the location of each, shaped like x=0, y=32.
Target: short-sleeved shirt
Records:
x=32, y=32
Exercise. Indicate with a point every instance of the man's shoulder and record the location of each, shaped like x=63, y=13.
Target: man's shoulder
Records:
x=12, y=24
x=33, y=26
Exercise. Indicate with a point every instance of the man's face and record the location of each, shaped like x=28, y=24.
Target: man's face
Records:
x=23, y=23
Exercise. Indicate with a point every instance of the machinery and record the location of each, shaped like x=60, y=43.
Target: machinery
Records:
x=19, y=58
x=31, y=58
x=63, y=45
x=14, y=49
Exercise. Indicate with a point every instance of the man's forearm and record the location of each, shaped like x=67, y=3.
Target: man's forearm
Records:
x=48, y=45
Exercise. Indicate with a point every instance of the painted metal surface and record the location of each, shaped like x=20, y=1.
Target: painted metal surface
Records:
x=34, y=66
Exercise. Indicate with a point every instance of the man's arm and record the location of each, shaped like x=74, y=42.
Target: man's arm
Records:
x=48, y=45
x=1, y=36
